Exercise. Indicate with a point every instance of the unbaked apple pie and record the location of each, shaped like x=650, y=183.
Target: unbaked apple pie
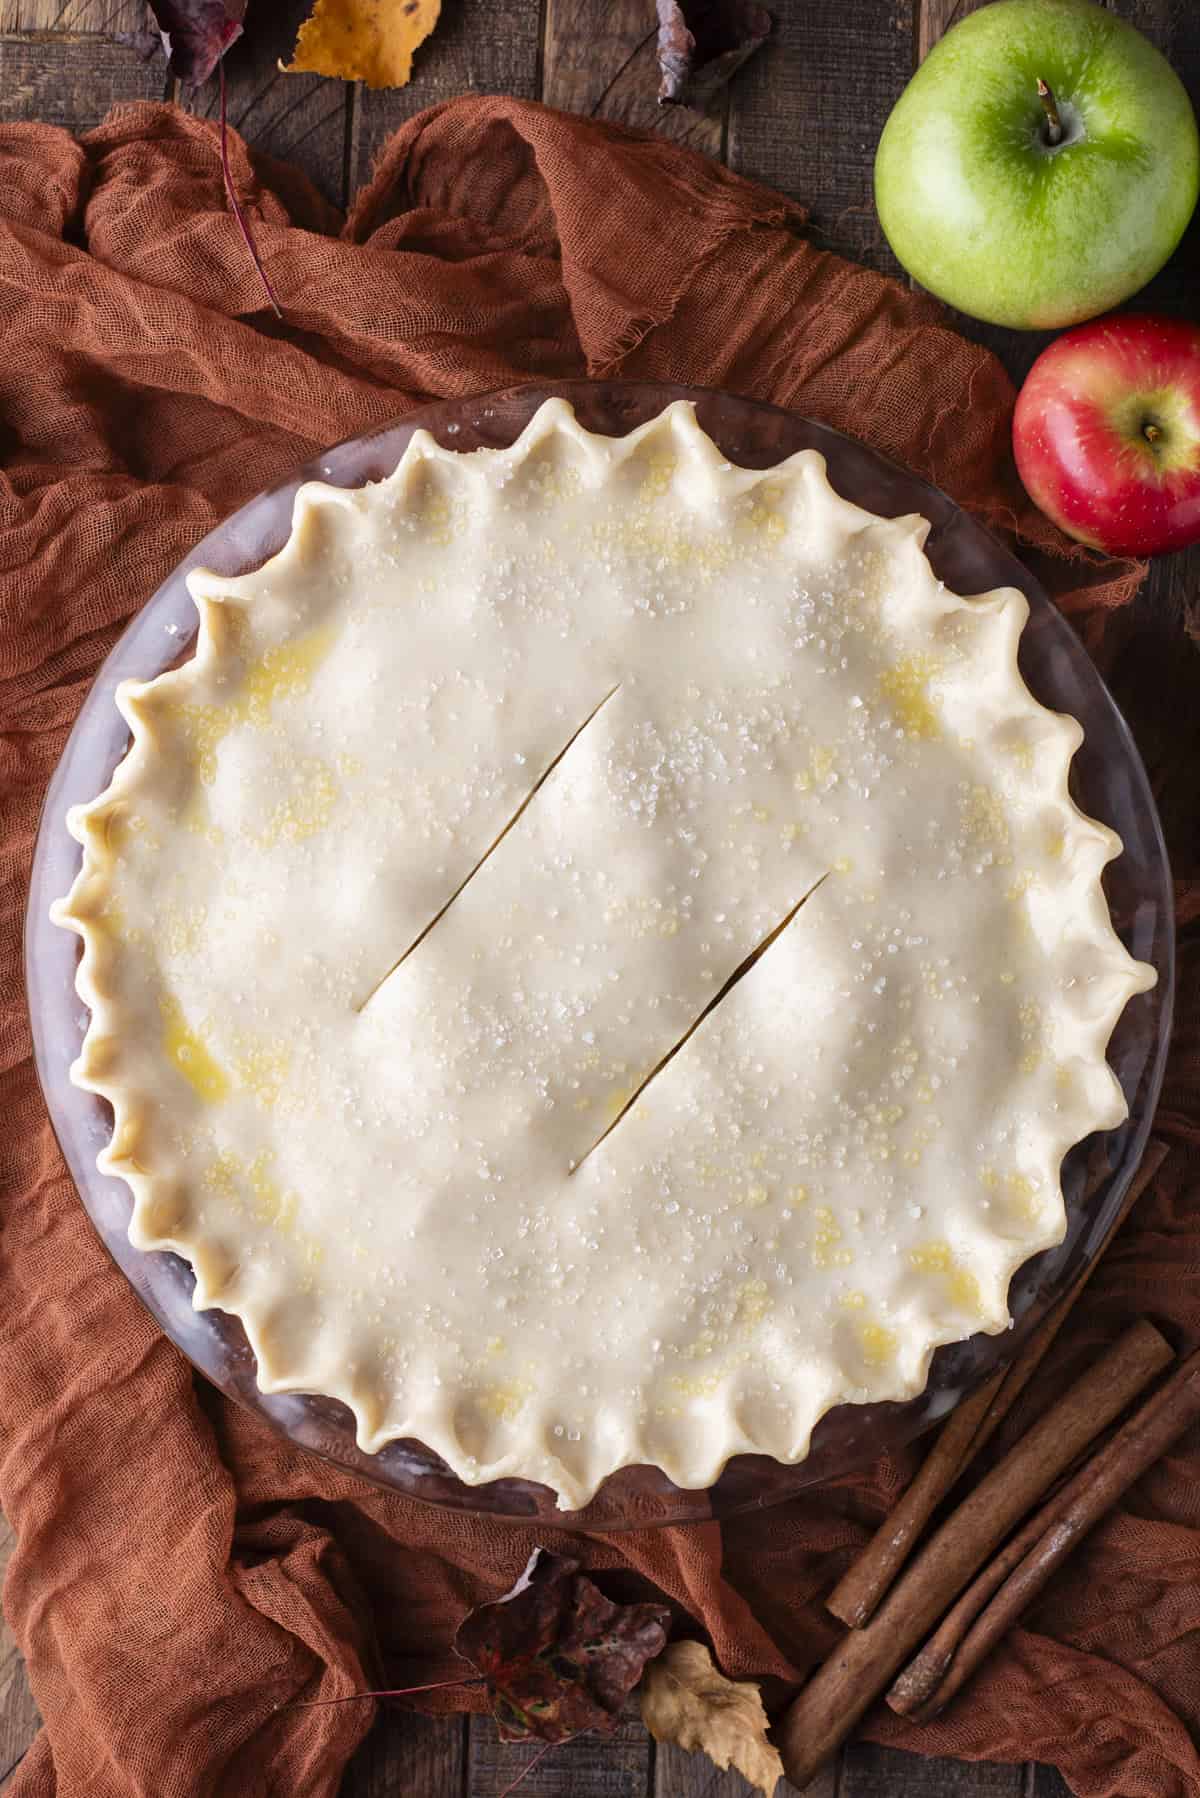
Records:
x=593, y=960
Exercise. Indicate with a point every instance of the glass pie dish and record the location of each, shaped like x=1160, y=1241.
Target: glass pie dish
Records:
x=1108, y=782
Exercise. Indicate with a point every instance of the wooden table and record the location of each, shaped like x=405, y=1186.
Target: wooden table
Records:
x=803, y=116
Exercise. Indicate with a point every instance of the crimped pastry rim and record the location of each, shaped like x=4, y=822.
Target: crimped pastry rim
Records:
x=73, y=913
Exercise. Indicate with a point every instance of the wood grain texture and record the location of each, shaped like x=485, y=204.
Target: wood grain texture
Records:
x=1173, y=584
x=1173, y=589
x=680, y=1775
x=304, y=119
x=602, y=61
x=1172, y=26
x=406, y=1755
x=934, y=19
x=73, y=17
x=18, y=1713
x=1045, y=1782
x=872, y=1772
x=72, y=82
x=590, y=1766
x=806, y=111
x=479, y=46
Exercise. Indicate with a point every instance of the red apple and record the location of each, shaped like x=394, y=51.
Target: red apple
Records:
x=1107, y=433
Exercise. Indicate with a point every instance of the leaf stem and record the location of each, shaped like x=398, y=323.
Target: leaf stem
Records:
x=236, y=206
x=541, y=1754
x=437, y=1685
x=1052, y=130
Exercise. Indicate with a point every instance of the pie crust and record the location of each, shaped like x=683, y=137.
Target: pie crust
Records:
x=593, y=959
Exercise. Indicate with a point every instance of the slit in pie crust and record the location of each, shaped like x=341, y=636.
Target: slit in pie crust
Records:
x=593, y=959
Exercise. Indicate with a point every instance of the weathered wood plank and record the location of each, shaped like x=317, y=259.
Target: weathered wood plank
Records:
x=72, y=81
x=18, y=1713
x=934, y=19
x=1173, y=590
x=480, y=46
x=1171, y=25
x=590, y=1766
x=406, y=1754
x=806, y=111
x=303, y=119
x=1173, y=585
x=73, y=17
x=1045, y=1782
x=680, y=1775
x=601, y=60
x=872, y=1772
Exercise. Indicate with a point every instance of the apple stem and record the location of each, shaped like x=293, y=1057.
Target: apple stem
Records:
x=1054, y=128
x=1151, y=433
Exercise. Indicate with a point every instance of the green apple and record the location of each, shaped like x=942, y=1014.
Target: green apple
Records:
x=1040, y=166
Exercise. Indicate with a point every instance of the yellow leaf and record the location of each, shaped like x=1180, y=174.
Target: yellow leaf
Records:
x=363, y=40
x=686, y=1701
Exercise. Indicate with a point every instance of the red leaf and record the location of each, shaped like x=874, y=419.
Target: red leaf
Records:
x=557, y=1656
x=196, y=34
x=701, y=43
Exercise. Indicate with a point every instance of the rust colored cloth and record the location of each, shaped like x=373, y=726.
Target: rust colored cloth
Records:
x=180, y=1573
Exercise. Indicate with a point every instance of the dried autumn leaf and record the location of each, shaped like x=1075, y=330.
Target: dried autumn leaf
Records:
x=685, y=1700
x=556, y=1655
x=702, y=43
x=363, y=40
x=196, y=34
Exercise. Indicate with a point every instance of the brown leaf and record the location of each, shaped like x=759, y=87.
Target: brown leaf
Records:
x=685, y=1700
x=556, y=1655
x=702, y=43
x=363, y=40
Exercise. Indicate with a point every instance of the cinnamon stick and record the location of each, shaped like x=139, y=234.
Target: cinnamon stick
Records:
x=990, y=1606
x=860, y=1667
x=861, y=1588
x=972, y=1423
x=915, y=1687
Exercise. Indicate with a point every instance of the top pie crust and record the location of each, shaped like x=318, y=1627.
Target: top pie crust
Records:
x=587, y=721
